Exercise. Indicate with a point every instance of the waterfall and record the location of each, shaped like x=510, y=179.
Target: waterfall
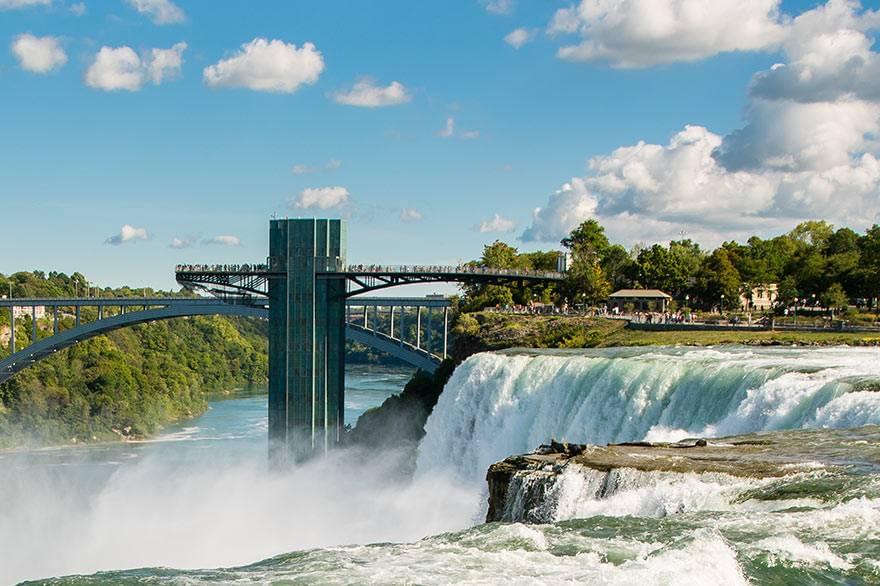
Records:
x=499, y=404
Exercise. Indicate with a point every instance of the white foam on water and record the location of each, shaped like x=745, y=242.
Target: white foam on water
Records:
x=496, y=405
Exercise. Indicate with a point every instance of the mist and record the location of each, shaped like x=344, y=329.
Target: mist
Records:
x=203, y=511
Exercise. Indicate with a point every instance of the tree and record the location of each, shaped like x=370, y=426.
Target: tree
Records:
x=670, y=269
x=719, y=281
x=589, y=237
x=835, y=298
x=586, y=279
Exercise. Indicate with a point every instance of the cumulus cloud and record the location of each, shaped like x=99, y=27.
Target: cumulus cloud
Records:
x=159, y=11
x=497, y=223
x=410, y=215
x=808, y=149
x=16, y=4
x=519, y=37
x=660, y=189
x=268, y=66
x=128, y=233
x=184, y=242
x=38, y=54
x=120, y=68
x=499, y=6
x=638, y=33
x=322, y=198
x=366, y=94
x=568, y=207
x=78, y=9
x=224, y=240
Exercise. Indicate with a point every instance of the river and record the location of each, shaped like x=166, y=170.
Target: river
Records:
x=198, y=505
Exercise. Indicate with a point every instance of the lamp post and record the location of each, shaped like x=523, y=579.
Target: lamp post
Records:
x=795, y=310
x=722, y=304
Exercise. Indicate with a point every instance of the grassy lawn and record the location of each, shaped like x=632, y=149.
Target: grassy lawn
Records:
x=493, y=331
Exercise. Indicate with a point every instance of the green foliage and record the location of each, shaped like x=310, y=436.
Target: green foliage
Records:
x=719, y=281
x=130, y=382
x=499, y=255
x=669, y=269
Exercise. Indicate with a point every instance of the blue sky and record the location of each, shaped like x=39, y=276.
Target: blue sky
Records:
x=178, y=159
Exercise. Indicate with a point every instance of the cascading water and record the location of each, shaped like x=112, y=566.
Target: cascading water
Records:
x=204, y=500
x=508, y=403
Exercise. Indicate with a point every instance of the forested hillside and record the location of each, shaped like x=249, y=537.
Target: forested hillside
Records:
x=129, y=383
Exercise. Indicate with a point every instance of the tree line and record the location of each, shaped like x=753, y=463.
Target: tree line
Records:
x=831, y=267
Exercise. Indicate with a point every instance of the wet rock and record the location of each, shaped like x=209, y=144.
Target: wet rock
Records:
x=522, y=487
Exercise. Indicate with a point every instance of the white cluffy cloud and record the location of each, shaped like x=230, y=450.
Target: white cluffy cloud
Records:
x=322, y=198
x=410, y=215
x=128, y=233
x=808, y=150
x=497, y=223
x=185, y=242
x=159, y=11
x=224, y=240
x=78, y=9
x=268, y=66
x=366, y=94
x=16, y=4
x=519, y=37
x=499, y=6
x=38, y=54
x=449, y=131
x=639, y=33
x=120, y=68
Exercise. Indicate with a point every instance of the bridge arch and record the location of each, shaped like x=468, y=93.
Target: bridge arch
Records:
x=46, y=347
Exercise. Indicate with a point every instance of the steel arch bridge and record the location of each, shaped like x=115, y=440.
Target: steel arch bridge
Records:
x=134, y=311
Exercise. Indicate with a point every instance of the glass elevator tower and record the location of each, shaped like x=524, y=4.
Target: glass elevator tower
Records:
x=306, y=337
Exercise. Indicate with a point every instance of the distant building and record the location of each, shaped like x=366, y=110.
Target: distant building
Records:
x=641, y=300
x=563, y=262
x=763, y=298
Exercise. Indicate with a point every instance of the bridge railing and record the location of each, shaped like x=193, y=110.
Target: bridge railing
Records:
x=226, y=268
x=463, y=269
x=450, y=269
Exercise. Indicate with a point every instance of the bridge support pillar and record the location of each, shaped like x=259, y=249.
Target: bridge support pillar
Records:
x=12, y=330
x=33, y=324
x=445, y=332
x=306, y=338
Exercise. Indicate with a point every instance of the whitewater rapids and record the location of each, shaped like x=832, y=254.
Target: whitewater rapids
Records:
x=184, y=505
x=499, y=404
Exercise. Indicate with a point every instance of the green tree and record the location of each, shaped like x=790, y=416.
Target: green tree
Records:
x=835, y=298
x=719, y=281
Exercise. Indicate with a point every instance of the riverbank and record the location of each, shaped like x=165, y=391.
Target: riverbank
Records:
x=488, y=331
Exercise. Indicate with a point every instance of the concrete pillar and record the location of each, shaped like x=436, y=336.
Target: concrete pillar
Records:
x=392, y=322
x=100, y=312
x=77, y=315
x=55, y=320
x=365, y=317
x=306, y=338
x=12, y=330
x=445, y=331
x=419, y=326
x=403, y=323
x=33, y=323
x=429, y=334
